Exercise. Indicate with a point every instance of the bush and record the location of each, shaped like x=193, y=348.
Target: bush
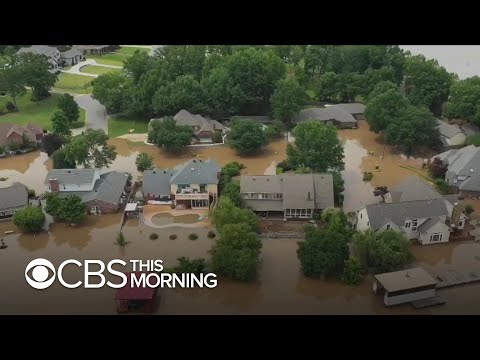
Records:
x=473, y=140
x=193, y=236
x=2, y=111
x=3, y=93
x=367, y=176
x=172, y=237
x=352, y=273
x=29, y=219
x=77, y=124
x=153, y=236
x=284, y=165
x=469, y=209
x=442, y=186
x=279, y=171
x=211, y=234
x=10, y=106
x=217, y=137
x=31, y=193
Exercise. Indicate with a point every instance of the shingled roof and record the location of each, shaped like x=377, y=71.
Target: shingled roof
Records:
x=329, y=113
x=13, y=196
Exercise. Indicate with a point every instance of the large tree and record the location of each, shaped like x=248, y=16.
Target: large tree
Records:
x=60, y=124
x=246, y=136
x=169, y=136
x=236, y=254
x=227, y=213
x=60, y=160
x=427, y=83
x=113, y=90
x=384, y=108
x=183, y=59
x=144, y=162
x=382, y=87
x=327, y=87
x=52, y=142
x=372, y=77
x=287, y=100
x=231, y=190
x=91, y=149
x=316, y=146
x=70, y=108
x=12, y=77
x=29, y=219
x=137, y=64
x=464, y=100
x=37, y=74
x=70, y=208
x=413, y=127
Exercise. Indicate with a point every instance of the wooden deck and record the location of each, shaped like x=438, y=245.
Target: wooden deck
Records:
x=425, y=303
x=453, y=278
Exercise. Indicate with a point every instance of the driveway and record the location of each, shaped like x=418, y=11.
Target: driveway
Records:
x=76, y=68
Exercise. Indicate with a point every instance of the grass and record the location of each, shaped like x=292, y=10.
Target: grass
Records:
x=311, y=94
x=131, y=50
x=73, y=83
x=422, y=174
x=98, y=70
x=473, y=139
x=115, y=59
x=38, y=113
x=120, y=125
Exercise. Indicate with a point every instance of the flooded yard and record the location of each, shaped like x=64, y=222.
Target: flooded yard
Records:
x=165, y=219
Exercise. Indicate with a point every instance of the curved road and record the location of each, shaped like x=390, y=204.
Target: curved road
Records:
x=96, y=113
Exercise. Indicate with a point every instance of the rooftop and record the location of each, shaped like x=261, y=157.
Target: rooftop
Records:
x=329, y=113
x=196, y=172
x=13, y=196
x=39, y=50
x=71, y=176
x=405, y=279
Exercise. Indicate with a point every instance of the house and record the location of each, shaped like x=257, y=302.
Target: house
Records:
x=423, y=220
x=405, y=286
x=287, y=195
x=413, y=189
x=95, y=49
x=451, y=135
x=71, y=57
x=357, y=110
x=12, y=199
x=463, y=173
x=333, y=114
x=100, y=193
x=52, y=53
x=11, y=133
x=192, y=185
x=203, y=128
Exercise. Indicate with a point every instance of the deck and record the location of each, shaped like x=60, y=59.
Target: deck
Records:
x=453, y=278
x=426, y=303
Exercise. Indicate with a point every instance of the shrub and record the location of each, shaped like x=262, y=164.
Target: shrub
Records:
x=10, y=106
x=211, y=234
x=172, y=237
x=77, y=124
x=284, y=165
x=473, y=139
x=279, y=171
x=217, y=137
x=31, y=193
x=469, y=209
x=2, y=111
x=367, y=176
x=153, y=236
x=442, y=186
x=193, y=236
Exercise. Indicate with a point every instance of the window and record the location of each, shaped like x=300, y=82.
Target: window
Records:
x=455, y=181
x=407, y=224
x=248, y=196
x=414, y=224
x=361, y=215
x=388, y=226
x=436, y=237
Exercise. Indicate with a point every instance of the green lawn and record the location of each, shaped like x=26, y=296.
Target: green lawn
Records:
x=120, y=125
x=115, y=59
x=131, y=50
x=98, y=70
x=34, y=112
x=73, y=83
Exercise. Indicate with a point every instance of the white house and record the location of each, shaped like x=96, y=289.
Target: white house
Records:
x=52, y=53
x=422, y=220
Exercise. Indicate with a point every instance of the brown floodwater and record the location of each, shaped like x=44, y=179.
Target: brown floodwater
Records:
x=280, y=288
x=167, y=218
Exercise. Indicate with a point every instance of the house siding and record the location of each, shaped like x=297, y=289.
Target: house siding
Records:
x=105, y=207
x=439, y=227
x=15, y=138
x=406, y=298
x=363, y=223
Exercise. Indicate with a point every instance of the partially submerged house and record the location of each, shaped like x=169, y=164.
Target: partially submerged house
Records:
x=424, y=220
x=192, y=185
x=12, y=199
x=203, y=128
x=288, y=195
x=451, y=135
x=100, y=193
x=463, y=172
x=405, y=286
x=333, y=114
x=11, y=133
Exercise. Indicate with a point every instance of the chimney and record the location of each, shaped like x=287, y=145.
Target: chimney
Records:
x=54, y=185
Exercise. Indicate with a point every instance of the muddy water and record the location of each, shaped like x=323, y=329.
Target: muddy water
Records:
x=29, y=169
x=280, y=289
x=166, y=218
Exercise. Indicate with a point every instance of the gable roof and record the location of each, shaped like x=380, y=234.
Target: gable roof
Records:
x=413, y=189
x=261, y=184
x=329, y=113
x=7, y=129
x=71, y=53
x=39, y=50
x=458, y=159
x=398, y=212
x=196, y=172
x=35, y=129
x=447, y=130
x=353, y=108
x=157, y=181
x=13, y=196
x=71, y=176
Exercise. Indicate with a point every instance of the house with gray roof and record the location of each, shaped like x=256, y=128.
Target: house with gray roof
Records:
x=450, y=135
x=100, y=193
x=71, y=57
x=192, y=185
x=357, y=110
x=52, y=53
x=287, y=195
x=463, y=173
x=12, y=199
x=333, y=114
x=426, y=221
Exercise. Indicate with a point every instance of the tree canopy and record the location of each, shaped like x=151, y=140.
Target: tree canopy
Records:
x=144, y=162
x=246, y=136
x=464, y=100
x=168, y=135
x=91, y=149
x=383, y=109
x=29, y=219
x=227, y=213
x=287, y=100
x=69, y=107
x=60, y=123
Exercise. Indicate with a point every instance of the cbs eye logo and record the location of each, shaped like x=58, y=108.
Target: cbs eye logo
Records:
x=39, y=277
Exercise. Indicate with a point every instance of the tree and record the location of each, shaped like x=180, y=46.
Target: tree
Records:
x=167, y=134
x=236, y=253
x=336, y=221
x=275, y=130
x=322, y=253
x=29, y=219
x=69, y=107
x=349, y=85
x=12, y=77
x=137, y=64
x=464, y=100
x=227, y=213
x=113, y=90
x=384, y=108
x=91, y=149
x=144, y=162
x=287, y=100
x=60, y=160
x=36, y=69
x=316, y=146
x=231, y=190
x=246, y=136
x=327, y=87
x=352, y=273
x=53, y=205
x=183, y=59
x=72, y=209
x=385, y=251
x=60, y=124
x=373, y=77
x=427, y=83
x=338, y=187
x=381, y=191
x=52, y=142
x=382, y=87
x=189, y=266
x=413, y=127
x=437, y=168
x=469, y=209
